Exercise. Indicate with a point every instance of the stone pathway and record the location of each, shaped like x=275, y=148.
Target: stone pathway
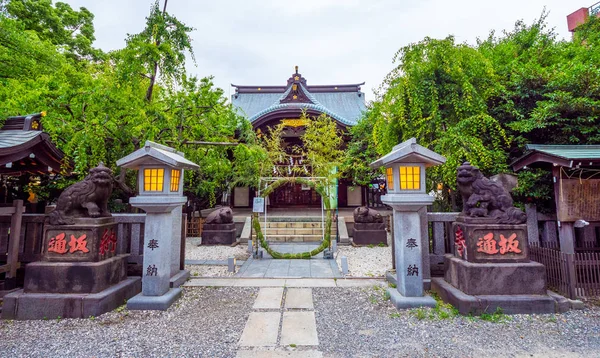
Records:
x=267, y=267
x=281, y=282
x=282, y=324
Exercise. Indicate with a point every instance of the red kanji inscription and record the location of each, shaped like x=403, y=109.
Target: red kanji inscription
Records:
x=58, y=244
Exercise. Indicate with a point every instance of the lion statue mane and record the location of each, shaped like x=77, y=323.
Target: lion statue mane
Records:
x=87, y=198
x=485, y=198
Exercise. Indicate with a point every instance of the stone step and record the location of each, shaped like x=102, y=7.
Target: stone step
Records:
x=297, y=224
x=294, y=238
x=277, y=231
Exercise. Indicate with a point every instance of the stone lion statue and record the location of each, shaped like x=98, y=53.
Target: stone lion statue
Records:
x=363, y=214
x=87, y=198
x=222, y=215
x=485, y=198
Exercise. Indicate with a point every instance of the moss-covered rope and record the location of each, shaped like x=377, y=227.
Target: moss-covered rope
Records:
x=304, y=255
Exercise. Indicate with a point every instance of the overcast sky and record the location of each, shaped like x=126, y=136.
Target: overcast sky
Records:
x=252, y=42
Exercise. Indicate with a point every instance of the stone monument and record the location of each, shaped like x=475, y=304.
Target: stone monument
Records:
x=405, y=176
x=160, y=180
x=81, y=273
x=369, y=228
x=489, y=266
x=219, y=228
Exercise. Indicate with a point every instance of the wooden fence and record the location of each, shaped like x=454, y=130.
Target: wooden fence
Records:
x=194, y=226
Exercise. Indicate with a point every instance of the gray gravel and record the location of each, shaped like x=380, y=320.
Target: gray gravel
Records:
x=206, y=322
x=351, y=322
x=361, y=323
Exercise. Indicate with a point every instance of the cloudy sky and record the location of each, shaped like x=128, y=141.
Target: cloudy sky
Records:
x=252, y=42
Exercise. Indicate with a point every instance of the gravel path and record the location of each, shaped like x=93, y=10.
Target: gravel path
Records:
x=351, y=322
x=217, y=252
x=206, y=322
x=361, y=323
x=209, y=270
x=366, y=261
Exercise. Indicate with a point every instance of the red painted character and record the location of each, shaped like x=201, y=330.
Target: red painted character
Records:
x=459, y=241
x=79, y=244
x=509, y=245
x=108, y=242
x=58, y=244
x=487, y=244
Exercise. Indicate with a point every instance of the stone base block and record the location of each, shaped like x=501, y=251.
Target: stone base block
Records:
x=527, y=278
x=218, y=234
x=74, y=277
x=179, y=278
x=510, y=304
x=390, y=276
x=161, y=303
x=369, y=234
x=89, y=239
x=23, y=306
x=402, y=302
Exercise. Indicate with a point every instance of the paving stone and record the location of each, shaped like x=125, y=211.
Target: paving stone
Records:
x=278, y=268
x=269, y=298
x=261, y=329
x=279, y=354
x=359, y=283
x=259, y=282
x=299, y=328
x=309, y=282
x=299, y=298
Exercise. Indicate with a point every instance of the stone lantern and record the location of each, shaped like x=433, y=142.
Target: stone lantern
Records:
x=405, y=178
x=160, y=181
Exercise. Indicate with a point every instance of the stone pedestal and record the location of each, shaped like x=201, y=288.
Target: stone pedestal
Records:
x=490, y=269
x=80, y=274
x=369, y=234
x=218, y=234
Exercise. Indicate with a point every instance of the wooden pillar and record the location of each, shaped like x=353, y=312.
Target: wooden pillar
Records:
x=566, y=233
x=13, y=244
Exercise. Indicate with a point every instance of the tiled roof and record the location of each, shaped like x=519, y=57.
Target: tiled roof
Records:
x=344, y=106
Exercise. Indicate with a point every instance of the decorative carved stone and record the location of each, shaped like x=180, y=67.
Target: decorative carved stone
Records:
x=85, y=199
x=363, y=214
x=486, y=200
x=223, y=215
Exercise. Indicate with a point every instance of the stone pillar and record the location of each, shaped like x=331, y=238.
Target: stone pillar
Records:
x=156, y=272
x=409, y=261
x=176, y=241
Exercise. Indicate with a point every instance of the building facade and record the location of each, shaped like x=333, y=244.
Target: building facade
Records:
x=268, y=106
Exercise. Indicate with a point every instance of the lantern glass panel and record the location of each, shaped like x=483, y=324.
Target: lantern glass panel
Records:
x=410, y=178
x=175, y=176
x=153, y=179
x=389, y=172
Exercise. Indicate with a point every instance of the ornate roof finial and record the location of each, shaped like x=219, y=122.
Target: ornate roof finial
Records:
x=296, y=69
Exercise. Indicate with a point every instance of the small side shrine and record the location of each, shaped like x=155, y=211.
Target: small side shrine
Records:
x=26, y=148
x=160, y=181
x=405, y=176
x=575, y=171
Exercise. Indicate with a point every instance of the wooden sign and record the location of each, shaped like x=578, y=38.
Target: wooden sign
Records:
x=578, y=200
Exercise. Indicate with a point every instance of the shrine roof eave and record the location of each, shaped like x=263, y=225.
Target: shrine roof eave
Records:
x=298, y=107
x=310, y=88
x=409, y=152
x=558, y=155
x=35, y=146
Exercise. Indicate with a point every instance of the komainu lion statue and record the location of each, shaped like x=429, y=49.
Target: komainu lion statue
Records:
x=222, y=215
x=363, y=214
x=485, y=198
x=87, y=198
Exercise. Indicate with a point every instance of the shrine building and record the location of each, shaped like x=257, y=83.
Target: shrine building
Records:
x=268, y=106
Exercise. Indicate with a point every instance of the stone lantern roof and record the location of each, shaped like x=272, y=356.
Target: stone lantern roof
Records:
x=409, y=152
x=154, y=153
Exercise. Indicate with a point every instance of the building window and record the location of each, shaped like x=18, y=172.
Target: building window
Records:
x=175, y=175
x=153, y=179
x=410, y=178
x=389, y=172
